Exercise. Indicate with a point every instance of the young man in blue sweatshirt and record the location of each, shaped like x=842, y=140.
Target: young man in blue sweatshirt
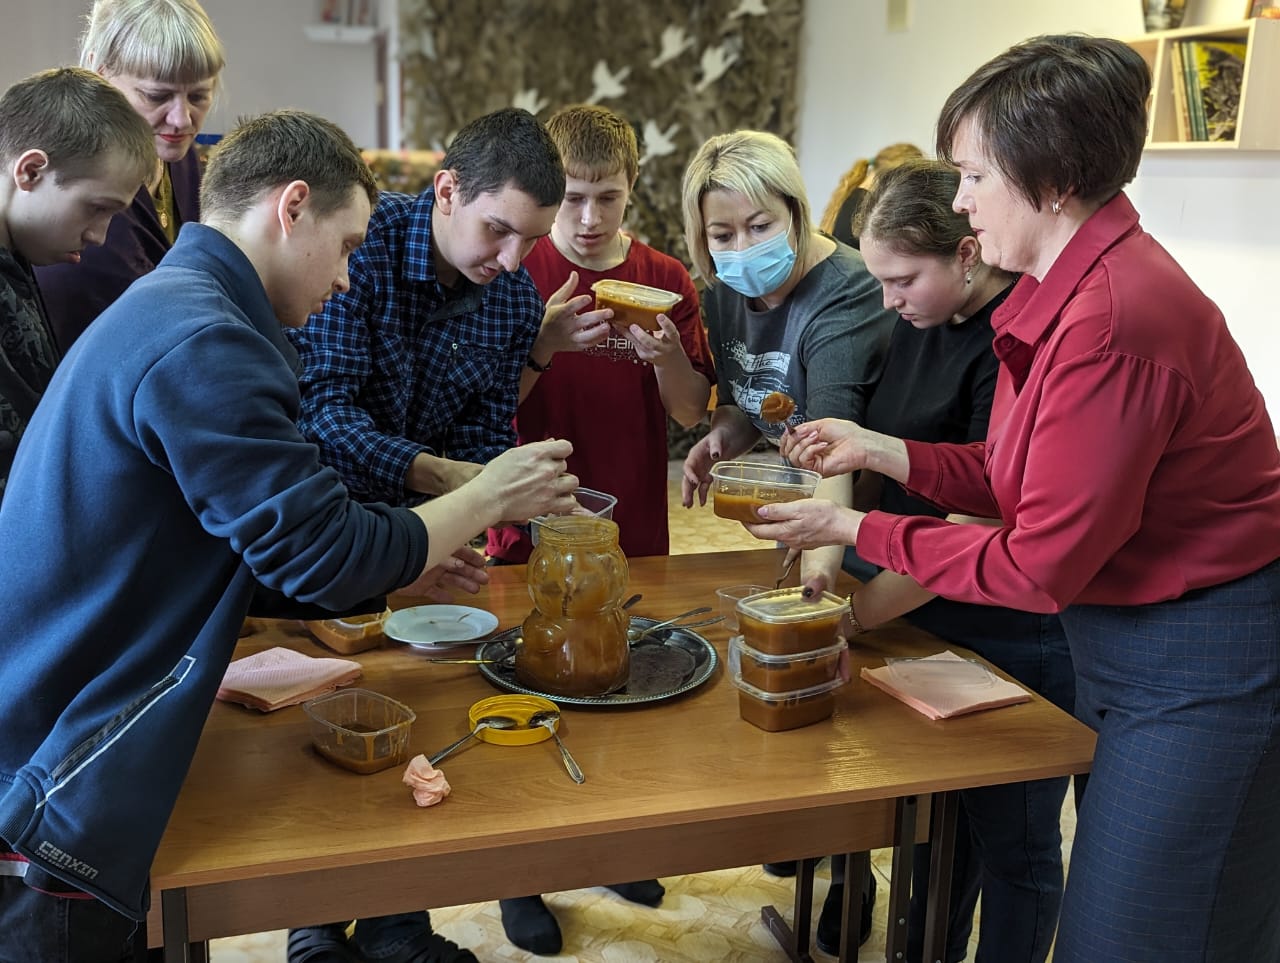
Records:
x=161, y=476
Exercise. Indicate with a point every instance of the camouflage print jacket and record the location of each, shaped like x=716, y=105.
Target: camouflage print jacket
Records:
x=27, y=354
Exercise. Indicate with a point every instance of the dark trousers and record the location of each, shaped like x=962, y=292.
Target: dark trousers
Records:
x=1008, y=838
x=38, y=928
x=1177, y=853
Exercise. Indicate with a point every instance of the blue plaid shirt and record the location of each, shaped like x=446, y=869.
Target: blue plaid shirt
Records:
x=400, y=364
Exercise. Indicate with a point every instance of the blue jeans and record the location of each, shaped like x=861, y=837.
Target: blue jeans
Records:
x=38, y=928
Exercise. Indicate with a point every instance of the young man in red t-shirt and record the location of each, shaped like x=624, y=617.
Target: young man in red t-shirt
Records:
x=608, y=390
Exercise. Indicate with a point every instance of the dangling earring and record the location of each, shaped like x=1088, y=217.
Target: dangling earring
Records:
x=968, y=276
x=1057, y=207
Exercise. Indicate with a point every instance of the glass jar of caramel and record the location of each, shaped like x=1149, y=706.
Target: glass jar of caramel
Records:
x=575, y=639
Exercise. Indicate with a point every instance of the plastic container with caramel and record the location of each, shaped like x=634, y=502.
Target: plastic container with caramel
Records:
x=634, y=303
x=788, y=673
x=775, y=711
x=359, y=729
x=740, y=487
x=355, y=633
x=784, y=622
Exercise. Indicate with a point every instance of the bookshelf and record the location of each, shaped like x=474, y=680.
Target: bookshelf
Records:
x=1258, y=120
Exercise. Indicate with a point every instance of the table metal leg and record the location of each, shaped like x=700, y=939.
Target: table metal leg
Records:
x=795, y=942
x=856, y=867
x=942, y=837
x=895, y=937
x=173, y=914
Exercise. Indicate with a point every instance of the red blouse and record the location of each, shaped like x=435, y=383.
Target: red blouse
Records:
x=1129, y=455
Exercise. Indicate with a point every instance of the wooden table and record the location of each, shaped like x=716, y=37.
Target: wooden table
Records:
x=267, y=835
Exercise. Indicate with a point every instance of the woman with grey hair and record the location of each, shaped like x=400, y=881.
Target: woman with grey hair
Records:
x=166, y=58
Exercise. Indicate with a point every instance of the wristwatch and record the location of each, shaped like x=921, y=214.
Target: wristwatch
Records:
x=531, y=363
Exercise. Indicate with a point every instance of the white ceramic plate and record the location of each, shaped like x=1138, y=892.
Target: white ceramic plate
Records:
x=430, y=625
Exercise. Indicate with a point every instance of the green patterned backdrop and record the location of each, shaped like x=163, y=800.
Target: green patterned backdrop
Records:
x=679, y=70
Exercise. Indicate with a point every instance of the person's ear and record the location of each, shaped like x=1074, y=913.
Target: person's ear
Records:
x=291, y=205
x=446, y=185
x=969, y=252
x=29, y=168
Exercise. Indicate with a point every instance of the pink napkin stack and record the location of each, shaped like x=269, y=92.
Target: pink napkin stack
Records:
x=281, y=677
x=944, y=685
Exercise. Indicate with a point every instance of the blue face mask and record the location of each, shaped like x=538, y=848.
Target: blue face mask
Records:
x=759, y=269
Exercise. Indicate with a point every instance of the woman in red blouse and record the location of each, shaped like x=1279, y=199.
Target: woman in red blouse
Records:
x=1135, y=470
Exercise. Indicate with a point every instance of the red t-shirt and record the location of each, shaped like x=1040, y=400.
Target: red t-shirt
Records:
x=1129, y=455
x=605, y=400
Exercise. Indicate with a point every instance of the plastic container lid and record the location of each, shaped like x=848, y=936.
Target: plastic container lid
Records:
x=638, y=294
x=796, y=695
x=765, y=473
x=788, y=605
x=518, y=707
x=597, y=504
x=738, y=647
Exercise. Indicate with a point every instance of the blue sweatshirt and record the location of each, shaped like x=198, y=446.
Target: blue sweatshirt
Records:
x=161, y=474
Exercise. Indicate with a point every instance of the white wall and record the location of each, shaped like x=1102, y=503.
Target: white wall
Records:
x=863, y=87
x=270, y=61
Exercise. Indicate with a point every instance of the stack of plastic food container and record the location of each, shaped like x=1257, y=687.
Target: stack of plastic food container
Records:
x=789, y=659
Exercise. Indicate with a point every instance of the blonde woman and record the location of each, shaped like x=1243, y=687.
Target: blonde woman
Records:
x=787, y=310
x=166, y=58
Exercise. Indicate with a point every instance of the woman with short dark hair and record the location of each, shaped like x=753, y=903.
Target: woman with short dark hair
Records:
x=1135, y=472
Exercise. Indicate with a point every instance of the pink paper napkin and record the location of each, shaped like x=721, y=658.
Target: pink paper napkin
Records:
x=944, y=685
x=281, y=677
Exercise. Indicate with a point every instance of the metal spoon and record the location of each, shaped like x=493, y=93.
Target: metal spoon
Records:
x=465, y=661
x=703, y=610
x=548, y=718
x=484, y=722
x=787, y=563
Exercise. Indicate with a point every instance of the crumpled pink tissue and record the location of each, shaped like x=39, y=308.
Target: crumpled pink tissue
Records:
x=428, y=783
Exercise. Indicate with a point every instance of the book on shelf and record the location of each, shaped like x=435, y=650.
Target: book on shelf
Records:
x=1178, y=75
x=1218, y=69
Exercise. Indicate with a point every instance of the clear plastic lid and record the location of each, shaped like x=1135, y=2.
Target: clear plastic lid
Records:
x=638, y=294
x=954, y=673
x=764, y=473
x=795, y=695
x=738, y=648
x=788, y=605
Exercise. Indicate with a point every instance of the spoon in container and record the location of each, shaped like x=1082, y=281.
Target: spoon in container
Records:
x=787, y=563
x=548, y=719
x=484, y=722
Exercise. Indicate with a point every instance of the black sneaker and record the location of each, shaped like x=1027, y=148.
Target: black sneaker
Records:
x=828, y=934
x=428, y=947
x=320, y=944
x=780, y=869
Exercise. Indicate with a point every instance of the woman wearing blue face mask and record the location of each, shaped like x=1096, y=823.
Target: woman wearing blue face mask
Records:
x=788, y=309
